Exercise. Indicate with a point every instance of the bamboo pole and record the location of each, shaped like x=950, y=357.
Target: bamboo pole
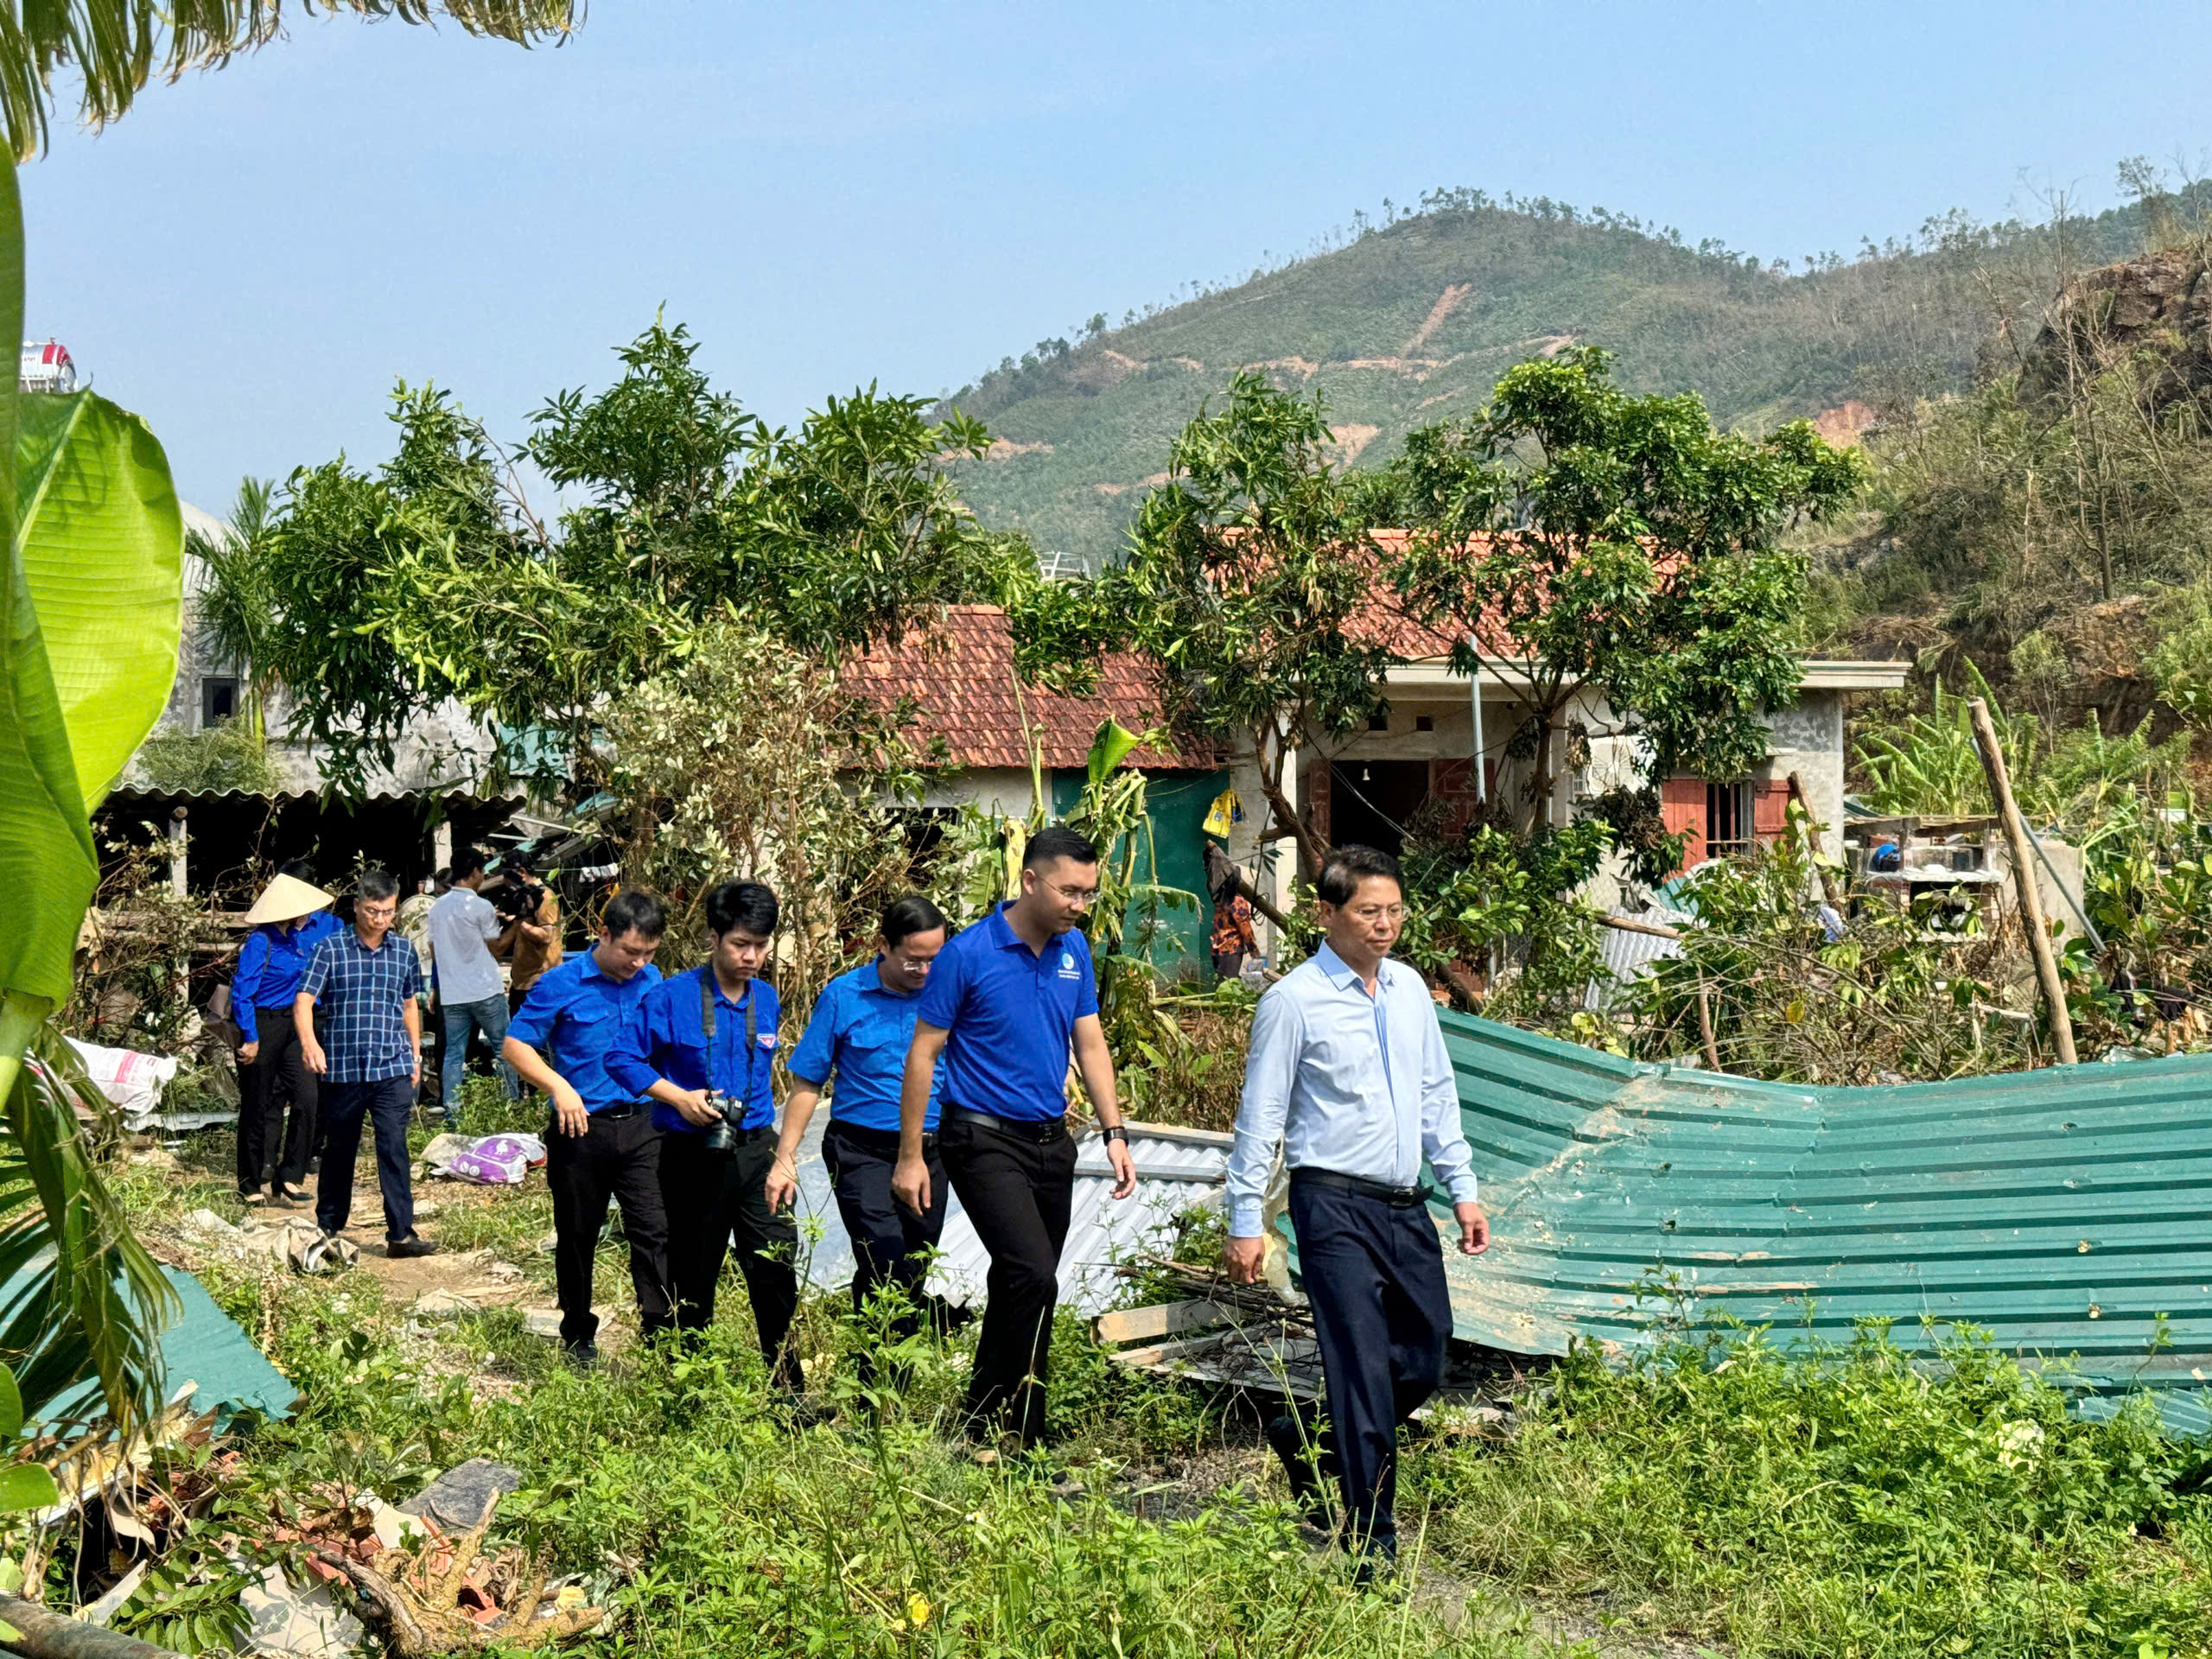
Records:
x=2023, y=878
x=1628, y=925
x=1704, y=1029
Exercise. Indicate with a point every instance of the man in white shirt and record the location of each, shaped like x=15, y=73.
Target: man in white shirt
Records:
x=462, y=925
x=1348, y=1073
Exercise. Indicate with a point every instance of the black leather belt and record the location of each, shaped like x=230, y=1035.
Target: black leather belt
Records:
x=616, y=1114
x=882, y=1143
x=1044, y=1131
x=1398, y=1198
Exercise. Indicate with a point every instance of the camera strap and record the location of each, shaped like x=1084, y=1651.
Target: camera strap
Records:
x=707, y=1025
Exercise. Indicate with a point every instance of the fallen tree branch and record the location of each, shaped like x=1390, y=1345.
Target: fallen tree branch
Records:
x=39, y=1632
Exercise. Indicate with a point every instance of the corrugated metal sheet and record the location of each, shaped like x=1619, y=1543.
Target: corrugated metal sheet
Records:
x=2066, y=1211
x=1626, y=955
x=1178, y=1168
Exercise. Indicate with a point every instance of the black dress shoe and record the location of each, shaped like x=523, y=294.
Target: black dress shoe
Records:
x=413, y=1244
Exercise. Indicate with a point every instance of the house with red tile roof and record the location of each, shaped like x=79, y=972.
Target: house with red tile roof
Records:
x=1418, y=761
x=980, y=726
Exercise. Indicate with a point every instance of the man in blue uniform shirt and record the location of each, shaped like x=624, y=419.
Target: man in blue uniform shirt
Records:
x=1006, y=1002
x=602, y=1142
x=291, y=918
x=712, y=1032
x=861, y=1027
x=1348, y=1074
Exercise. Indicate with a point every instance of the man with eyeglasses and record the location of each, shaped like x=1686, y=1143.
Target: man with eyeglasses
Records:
x=369, y=1058
x=1347, y=1073
x=1005, y=1002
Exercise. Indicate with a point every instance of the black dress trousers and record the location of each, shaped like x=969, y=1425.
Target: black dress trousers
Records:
x=277, y=1107
x=709, y=1198
x=1017, y=1184
x=616, y=1158
x=1374, y=1273
x=891, y=1243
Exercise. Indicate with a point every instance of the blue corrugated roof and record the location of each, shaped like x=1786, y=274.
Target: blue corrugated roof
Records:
x=2064, y=1211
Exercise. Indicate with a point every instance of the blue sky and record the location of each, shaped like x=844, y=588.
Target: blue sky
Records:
x=831, y=195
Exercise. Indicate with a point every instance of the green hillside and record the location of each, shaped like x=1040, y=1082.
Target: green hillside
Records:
x=1414, y=320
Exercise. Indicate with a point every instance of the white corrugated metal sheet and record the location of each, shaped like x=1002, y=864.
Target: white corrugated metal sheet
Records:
x=1625, y=955
x=1177, y=1169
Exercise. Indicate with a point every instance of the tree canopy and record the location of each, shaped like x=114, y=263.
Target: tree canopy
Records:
x=388, y=592
x=1243, y=570
x=1591, y=538
x=114, y=48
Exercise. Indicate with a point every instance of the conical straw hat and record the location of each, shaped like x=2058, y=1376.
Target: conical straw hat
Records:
x=285, y=900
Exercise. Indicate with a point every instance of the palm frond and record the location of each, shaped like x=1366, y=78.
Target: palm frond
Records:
x=117, y=46
x=81, y=1299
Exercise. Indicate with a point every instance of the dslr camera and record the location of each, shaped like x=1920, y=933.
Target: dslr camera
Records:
x=516, y=901
x=729, y=1118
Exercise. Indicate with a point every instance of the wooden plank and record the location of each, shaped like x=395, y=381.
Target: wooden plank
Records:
x=1143, y=1323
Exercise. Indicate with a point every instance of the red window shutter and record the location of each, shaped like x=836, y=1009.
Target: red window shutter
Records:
x=1770, y=809
x=1682, y=808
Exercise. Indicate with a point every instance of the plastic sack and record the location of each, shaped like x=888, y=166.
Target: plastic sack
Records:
x=133, y=1081
x=497, y=1159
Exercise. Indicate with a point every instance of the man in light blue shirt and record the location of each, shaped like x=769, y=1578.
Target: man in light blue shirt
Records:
x=1347, y=1072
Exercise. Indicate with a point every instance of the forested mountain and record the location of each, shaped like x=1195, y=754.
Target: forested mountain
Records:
x=1413, y=318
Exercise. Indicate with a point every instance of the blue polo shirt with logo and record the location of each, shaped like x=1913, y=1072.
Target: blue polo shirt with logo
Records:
x=572, y=1016
x=861, y=1030
x=663, y=1035
x=1011, y=1013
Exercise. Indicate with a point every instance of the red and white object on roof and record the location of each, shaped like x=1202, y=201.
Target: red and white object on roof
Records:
x=46, y=367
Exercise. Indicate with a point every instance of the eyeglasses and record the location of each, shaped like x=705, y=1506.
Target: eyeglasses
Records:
x=1086, y=897
x=1376, y=912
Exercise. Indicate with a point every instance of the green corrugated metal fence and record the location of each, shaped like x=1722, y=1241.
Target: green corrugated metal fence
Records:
x=2063, y=1211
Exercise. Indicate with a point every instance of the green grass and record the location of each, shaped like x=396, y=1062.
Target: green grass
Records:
x=1716, y=1497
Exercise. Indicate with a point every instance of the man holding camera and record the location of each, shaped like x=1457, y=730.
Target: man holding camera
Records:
x=1006, y=1002
x=602, y=1142
x=700, y=1046
x=531, y=918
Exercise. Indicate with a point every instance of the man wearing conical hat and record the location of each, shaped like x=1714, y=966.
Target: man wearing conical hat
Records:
x=290, y=919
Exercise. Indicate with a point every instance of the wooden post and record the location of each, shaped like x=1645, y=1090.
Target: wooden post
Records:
x=1812, y=834
x=1704, y=1029
x=2023, y=878
x=176, y=852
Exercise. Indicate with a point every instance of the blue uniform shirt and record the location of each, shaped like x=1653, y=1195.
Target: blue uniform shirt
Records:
x=861, y=1030
x=272, y=962
x=573, y=1015
x=1011, y=1012
x=663, y=1038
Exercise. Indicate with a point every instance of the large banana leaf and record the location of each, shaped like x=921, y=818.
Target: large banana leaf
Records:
x=90, y=612
x=80, y=1296
x=89, y=631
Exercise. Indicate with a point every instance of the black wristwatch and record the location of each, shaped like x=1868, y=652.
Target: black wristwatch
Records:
x=1117, y=1133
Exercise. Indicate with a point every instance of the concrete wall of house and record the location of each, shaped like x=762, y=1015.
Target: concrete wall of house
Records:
x=1807, y=740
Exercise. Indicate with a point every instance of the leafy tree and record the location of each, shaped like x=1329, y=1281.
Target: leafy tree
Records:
x=1594, y=539
x=236, y=608
x=89, y=623
x=431, y=578
x=113, y=48
x=1243, y=571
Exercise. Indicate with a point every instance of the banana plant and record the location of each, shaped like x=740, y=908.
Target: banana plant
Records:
x=90, y=617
